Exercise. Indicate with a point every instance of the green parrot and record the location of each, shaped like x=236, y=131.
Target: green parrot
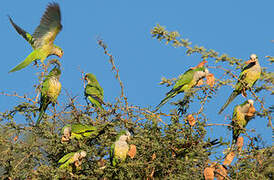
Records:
x=78, y=131
x=249, y=75
x=185, y=82
x=120, y=148
x=51, y=88
x=73, y=157
x=242, y=114
x=93, y=91
x=43, y=37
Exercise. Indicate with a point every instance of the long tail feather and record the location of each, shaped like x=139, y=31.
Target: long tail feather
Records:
x=42, y=112
x=167, y=98
x=230, y=99
x=26, y=62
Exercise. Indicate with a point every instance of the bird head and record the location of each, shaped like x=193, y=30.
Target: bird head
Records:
x=83, y=154
x=250, y=102
x=59, y=51
x=253, y=58
x=89, y=77
x=124, y=135
x=55, y=72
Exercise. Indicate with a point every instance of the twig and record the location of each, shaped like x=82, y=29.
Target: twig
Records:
x=114, y=68
x=214, y=124
x=16, y=95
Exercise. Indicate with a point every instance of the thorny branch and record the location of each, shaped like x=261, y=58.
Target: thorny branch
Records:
x=114, y=68
x=22, y=97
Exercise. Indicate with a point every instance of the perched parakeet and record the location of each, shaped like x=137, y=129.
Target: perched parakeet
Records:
x=185, y=82
x=51, y=88
x=93, y=91
x=78, y=131
x=120, y=148
x=43, y=37
x=241, y=115
x=249, y=75
x=73, y=157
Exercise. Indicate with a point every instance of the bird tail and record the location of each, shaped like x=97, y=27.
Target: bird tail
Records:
x=42, y=112
x=230, y=99
x=33, y=56
x=96, y=102
x=169, y=95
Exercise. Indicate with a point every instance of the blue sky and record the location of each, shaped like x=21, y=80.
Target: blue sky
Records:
x=237, y=28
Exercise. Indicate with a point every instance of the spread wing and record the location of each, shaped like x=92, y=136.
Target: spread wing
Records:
x=49, y=27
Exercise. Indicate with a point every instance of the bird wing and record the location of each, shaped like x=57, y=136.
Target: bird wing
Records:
x=49, y=27
x=183, y=79
x=80, y=128
x=96, y=92
x=22, y=32
x=66, y=157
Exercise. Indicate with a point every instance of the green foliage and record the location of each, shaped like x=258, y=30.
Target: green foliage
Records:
x=166, y=149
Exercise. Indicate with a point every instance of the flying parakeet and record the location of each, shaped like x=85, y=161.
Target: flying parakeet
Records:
x=241, y=115
x=248, y=77
x=43, y=37
x=51, y=88
x=185, y=82
x=93, y=91
x=120, y=148
x=73, y=157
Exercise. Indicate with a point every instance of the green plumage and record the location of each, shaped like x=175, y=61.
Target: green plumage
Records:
x=240, y=119
x=248, y=77
x=184, y=83
x=51, y=88
x=80, y=131
x=70, y=158
x=43, y=37
x=94, y=92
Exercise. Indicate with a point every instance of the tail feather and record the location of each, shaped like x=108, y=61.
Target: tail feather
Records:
x=230, y=99
x=167, y=98
x=42, y=109
x=33, y=56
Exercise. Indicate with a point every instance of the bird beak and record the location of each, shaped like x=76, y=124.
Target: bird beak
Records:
x=61, y=55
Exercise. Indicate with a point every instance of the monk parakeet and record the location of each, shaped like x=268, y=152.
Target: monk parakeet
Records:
x=185, y=82
x=241, y=115
x=120, y=148
x=249, y=75
x=43, y=37
x=51, y=88
x=93, y=91
x=73, y=157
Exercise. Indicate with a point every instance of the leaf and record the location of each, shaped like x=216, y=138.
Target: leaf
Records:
x=251, y=111
x=221, y=172
x=132, y=151
x=153, y=156
x=240, y=143
x=229, y=158
x=15, y=138
x=191, y=120
x=210, y=80
x=209, y=173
